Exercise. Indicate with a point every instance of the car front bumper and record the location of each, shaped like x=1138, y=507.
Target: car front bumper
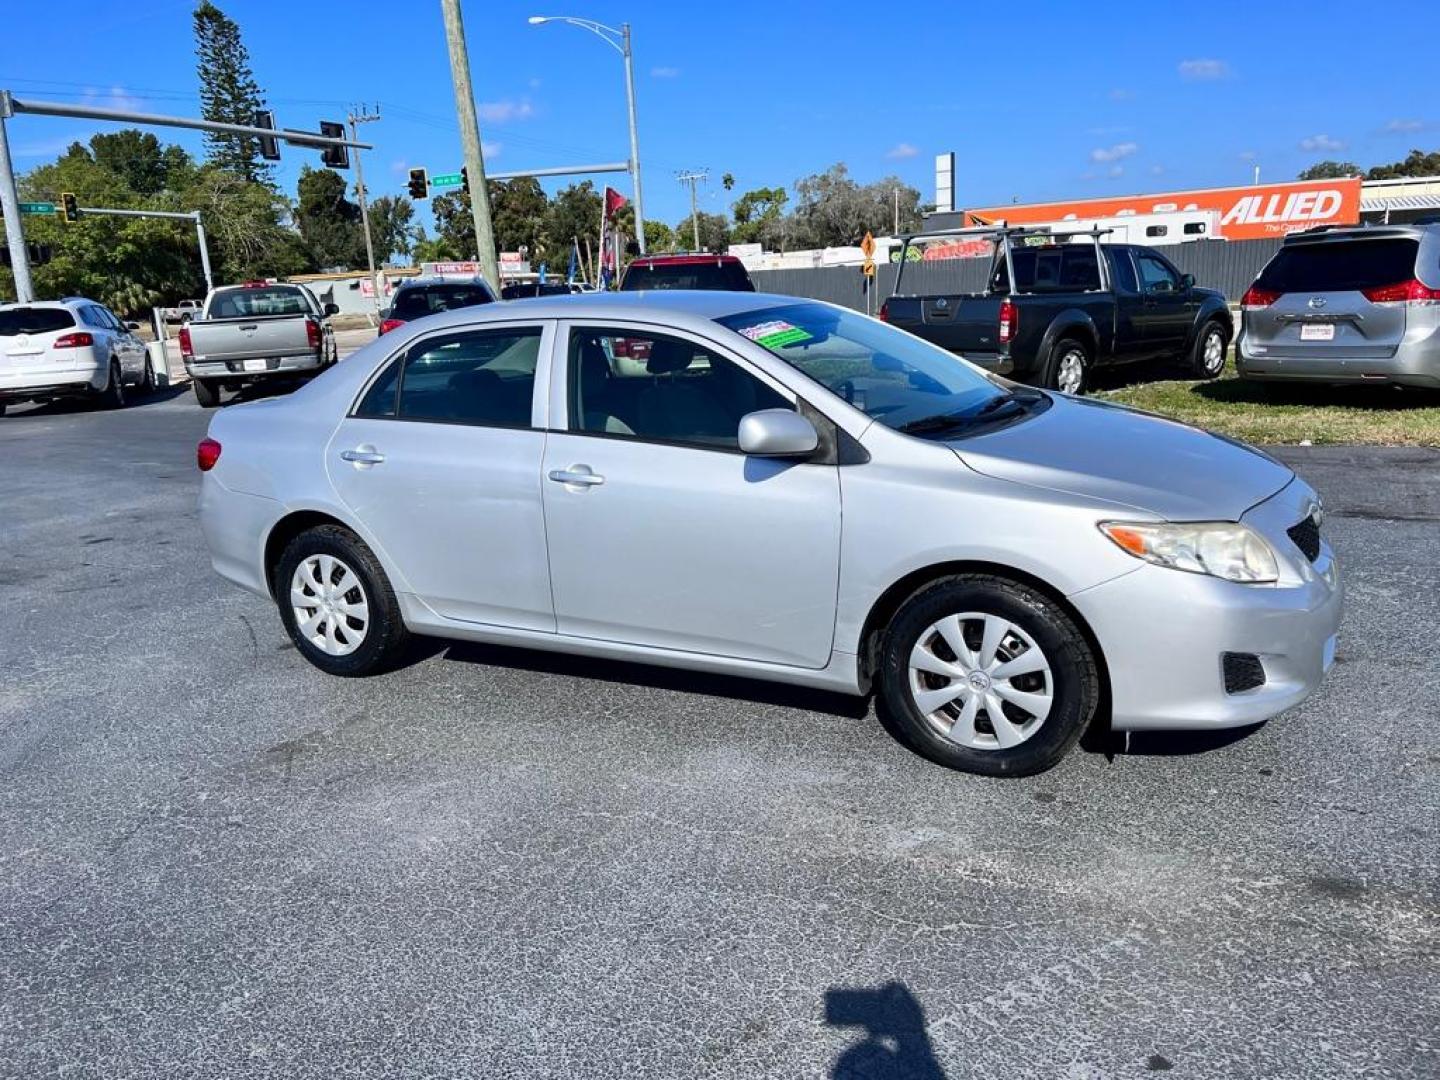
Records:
x=1164, y=633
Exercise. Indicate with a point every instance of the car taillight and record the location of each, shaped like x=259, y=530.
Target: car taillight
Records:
x=391, y=324
x=1256, y=297
x=185, y=349
x=1402, y=292
x=207, y=453
x=79, y=340
x=312, y=333
x=1009, y=321
x=884, y=312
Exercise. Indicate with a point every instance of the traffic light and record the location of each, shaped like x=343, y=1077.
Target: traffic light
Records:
x=269, y=145
x=37, y=254
x=419, y=184
x=465, y=180
x=69, y=207
x=337, y=157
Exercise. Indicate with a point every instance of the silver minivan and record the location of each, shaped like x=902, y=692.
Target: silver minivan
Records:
x=1353, y=305
x=777, y=488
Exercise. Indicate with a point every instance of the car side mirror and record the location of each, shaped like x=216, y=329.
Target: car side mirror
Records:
x=1187, y=281
x=777, y=433
x=332, y=309
x=132, y=326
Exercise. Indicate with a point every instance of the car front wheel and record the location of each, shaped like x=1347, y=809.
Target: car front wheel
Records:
x=113, y=396
x=1208, y=358
x=987, y=675
x=337, y=603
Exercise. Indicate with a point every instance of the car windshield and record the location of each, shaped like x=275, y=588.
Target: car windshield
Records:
x=889, y=375
x=727, y=275
x=422, y=300
x=251, y=302
x=1340, y=266
x=33, y=320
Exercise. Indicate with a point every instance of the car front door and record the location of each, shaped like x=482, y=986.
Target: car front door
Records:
x=1166, y=304
x=128, y=346
x=440, y=460
x=1130, y=309
x=662, y=533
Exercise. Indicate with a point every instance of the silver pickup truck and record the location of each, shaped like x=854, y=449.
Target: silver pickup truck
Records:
x=259, y=330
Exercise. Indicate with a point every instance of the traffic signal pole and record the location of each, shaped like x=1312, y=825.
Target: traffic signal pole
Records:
x=192, y=216
x=10, y=204
x=470, y=143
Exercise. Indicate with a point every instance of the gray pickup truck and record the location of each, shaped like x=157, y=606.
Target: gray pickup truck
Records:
x=259, y=330
x=1059, y=305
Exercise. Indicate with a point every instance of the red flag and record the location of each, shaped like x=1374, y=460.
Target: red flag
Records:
x=613, y=201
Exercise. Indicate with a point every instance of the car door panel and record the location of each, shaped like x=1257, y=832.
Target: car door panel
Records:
x=1167, y=306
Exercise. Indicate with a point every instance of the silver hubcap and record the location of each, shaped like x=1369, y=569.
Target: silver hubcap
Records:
x=329, y=604
x=1214, y=351
x=1072, y=373
x=981, y=681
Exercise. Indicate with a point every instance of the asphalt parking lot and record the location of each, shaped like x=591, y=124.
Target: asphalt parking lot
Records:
x=216, y=861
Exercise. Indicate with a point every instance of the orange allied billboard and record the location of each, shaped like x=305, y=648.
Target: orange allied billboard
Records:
x=1252, y=212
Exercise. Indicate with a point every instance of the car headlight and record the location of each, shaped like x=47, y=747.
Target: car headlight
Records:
x=1222, y=549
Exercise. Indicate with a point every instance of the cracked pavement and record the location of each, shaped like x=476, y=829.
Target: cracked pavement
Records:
x=216, y=861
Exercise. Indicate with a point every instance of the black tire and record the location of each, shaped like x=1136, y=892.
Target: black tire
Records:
x=2, y=408
x=147, y=379
x=207, y=393
x=1200, y=367
x=385, y=637
x=113, y=396
x=1073, y=681
x=1057, y=365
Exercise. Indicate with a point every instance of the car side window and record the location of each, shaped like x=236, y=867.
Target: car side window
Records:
x=481, y=377
x=1121, y=269
x=1155, y=275
x=111, y=320
x=661, y=388
x=90, y=316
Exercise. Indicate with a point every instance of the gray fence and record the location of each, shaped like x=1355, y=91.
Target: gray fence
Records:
x=1229, y=266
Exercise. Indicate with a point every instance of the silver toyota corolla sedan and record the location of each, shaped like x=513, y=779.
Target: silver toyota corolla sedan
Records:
x=782, y=489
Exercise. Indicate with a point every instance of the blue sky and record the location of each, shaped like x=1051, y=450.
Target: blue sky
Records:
x=1038, y=100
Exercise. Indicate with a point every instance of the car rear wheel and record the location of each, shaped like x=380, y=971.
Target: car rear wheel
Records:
x=207, y=393
x=113, y=396
x=337, y=604
x=1068, y=366
x=1207, y=357
x=986, y=675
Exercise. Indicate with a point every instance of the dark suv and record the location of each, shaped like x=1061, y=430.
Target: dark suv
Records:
x=416, y=299
x=1346, y=306
x=713, y=272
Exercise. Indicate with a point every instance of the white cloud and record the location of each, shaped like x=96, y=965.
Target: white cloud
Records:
x=400, y=167
x=664, y=72
x=1118, y=152
x=901, y=150
x=1204, y=70
x=1157, y=170
x=1248, y=155
x=1121, y=94
x=1115, y=170
x=491, y=149
x=51, y=147
x=502, y=112
x=1321, y=144
x=534, y=84
x=1399, y=127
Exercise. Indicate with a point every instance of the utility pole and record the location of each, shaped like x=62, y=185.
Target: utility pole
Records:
x=470, y=143
x=364, y=117
x=10, y=203
x=897, y=203
x=692, y=178
x=634, y=138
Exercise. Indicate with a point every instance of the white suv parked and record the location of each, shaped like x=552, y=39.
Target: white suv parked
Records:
x=69, y=348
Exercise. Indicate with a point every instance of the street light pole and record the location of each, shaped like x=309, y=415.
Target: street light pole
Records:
x=604, y=33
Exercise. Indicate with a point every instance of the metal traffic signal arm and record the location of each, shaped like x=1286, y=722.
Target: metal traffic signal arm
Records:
x=331, y=142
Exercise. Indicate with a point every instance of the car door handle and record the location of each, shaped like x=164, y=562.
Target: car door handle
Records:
x=362, y=456
x=581, y=475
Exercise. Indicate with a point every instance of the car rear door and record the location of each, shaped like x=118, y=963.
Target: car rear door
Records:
x=1327, y=299
x=440, y=459
x=661, y=532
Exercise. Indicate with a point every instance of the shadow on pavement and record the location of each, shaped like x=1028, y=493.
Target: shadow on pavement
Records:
x=64, y=406
x=730, y=687
x=892, y=1042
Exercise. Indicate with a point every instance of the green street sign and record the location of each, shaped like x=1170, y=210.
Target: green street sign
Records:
x=37, y=208
x=453, y=179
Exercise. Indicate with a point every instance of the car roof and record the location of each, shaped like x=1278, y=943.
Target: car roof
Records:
x=64, y=302
x=431, y=282
x=689, y=258
x=645, y=305
x=1331, y=234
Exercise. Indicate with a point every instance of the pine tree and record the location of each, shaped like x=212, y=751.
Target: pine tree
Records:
x=228, y=93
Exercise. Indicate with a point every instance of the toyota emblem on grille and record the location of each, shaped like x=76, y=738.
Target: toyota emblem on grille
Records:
x=1317, y=302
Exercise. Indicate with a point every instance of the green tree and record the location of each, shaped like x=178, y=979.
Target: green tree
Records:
x=428, y=249
x=329, y=223
x=758, y=217
x=574, y=214
x=518, y=210
x=229, y=93
x=247, y=225
x=393, y=228
x=832, y=210
x=714, y=232
x=139, y=158
x=455, y=224
x=1416, y=163
x=1329, y=170
x=659, y=237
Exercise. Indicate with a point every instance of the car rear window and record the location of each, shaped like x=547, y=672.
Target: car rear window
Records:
x=244, y=303
x=34, y=320
x=726, y=276
x=1057, y=268
x=526, y=290
x=422, y=300
x=1340, y=266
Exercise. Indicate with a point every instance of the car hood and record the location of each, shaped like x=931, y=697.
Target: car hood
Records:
x=1105, y=451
